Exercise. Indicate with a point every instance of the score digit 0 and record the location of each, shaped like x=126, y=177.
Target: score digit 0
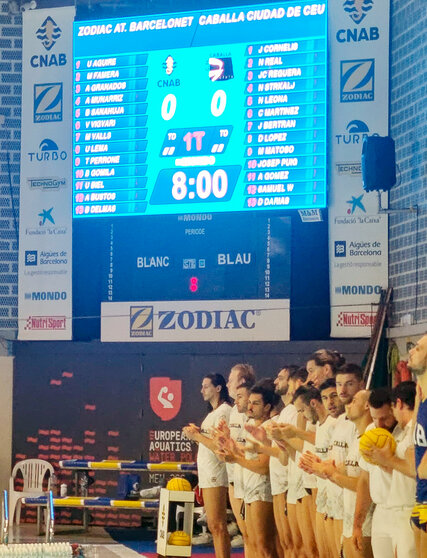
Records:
x=218, y=104
x=206, y=184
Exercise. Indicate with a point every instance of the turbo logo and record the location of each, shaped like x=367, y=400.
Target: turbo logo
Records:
x=356, y=131
x=48, y=151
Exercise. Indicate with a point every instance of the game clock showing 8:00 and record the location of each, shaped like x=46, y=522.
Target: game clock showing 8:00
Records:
x=179, y=113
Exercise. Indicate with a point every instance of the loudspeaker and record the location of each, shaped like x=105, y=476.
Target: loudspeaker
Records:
x=378, y=163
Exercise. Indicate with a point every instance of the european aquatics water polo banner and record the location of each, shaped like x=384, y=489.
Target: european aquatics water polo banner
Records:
x=206, y=111
x=358, y=232
x=45, y=212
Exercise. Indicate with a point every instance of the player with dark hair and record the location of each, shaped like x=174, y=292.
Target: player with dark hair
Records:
x=259, y=516
x=322, y=365
x=212, y=471
x=288, y=380
x=241, y=373
x=418, y=365
x=325, y=404
x=401, y=497
x=346, y=477
x=374, y=482
x=278, y=471
x=348, y=378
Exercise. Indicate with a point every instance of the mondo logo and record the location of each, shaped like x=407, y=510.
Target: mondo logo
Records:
x=358, y=289
x=46, y=295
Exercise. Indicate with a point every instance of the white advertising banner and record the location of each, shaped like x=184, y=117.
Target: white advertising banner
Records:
x=45, y=219
x=203, y=320
x=359, y=94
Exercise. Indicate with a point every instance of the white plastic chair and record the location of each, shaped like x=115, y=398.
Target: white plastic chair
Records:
x=33, y=474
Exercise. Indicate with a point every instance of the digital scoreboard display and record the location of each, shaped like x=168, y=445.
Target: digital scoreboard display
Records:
x=212, y=257
x=206, y=111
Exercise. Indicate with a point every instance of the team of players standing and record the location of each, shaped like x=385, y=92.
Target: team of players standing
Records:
x=287, y=456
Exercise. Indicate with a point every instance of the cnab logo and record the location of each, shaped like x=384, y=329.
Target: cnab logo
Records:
x=357, y=9
x=48, y=102
x=141, y=321
x=48, y=33
x=165, y=397
x=357, y=80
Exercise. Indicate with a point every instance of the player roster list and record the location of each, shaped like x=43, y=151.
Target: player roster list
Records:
x=216, y=110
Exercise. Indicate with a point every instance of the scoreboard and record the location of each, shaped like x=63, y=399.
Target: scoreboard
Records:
x=206, y=111
x=211, y=257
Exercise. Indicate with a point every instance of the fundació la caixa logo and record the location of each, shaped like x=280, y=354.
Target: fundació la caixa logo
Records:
x=165, y=397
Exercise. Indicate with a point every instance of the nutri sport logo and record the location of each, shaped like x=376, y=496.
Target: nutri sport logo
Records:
x=356, y=319
x=45, y=323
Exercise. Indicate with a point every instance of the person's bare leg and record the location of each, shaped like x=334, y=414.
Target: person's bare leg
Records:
x=420, y=541
x=298, y=547
x=312, y=504
x=321, y=538
x=215, y=500
x=306, y=527
x=330, y=537
x=236, y=506
x=338, y=527
x=350, y=551
x=282, y=523
x=261, y=521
